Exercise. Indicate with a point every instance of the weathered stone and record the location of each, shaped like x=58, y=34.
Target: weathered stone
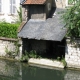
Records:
x=7, y=46
x=46, y=62
x=66, y=59
x=74, y=55
x=75, y=60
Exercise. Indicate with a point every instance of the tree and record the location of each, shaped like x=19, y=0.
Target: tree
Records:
x=72, y=19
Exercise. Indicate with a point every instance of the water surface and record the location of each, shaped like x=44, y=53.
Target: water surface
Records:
x=11, y=70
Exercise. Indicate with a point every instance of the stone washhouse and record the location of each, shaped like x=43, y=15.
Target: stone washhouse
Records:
x=42, y=29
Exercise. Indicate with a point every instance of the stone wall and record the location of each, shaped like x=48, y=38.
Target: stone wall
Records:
x=8, y=45
x=72, y=55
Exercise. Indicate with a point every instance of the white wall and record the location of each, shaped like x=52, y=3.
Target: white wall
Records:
x=72, y=55
x=5, y=14
x=61, y=3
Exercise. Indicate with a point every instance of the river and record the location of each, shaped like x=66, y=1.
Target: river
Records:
x=12, y=70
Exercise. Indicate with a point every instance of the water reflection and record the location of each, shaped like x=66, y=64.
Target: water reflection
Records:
x=10, y=70
x=33, y=73
x=72, y=75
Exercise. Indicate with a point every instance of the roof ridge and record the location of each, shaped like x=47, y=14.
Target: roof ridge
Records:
x=34, y=2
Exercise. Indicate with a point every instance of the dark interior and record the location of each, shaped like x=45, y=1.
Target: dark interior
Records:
x=45, y=49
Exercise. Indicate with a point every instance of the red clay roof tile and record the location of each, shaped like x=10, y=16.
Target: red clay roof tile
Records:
x=34, y=1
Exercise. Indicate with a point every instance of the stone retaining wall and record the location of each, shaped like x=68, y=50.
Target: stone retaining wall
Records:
x=72, y=55
x=9, y=45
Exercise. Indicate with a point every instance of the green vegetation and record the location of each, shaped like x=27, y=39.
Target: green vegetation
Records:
x=72, y=19
x=70, y=2
x=8, y=30
x=62, y=60
x=31, y=54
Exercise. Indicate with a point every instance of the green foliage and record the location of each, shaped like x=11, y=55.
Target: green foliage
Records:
x=70, y=2
x=25, y=57
x=72, y=19
x=8, y=30
x=31, y=54
x=64, y=62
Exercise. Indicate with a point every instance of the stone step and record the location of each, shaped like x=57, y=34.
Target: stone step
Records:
x=46, y=62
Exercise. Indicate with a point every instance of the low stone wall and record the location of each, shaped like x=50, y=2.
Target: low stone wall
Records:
x=8, y=46
x=72, y=55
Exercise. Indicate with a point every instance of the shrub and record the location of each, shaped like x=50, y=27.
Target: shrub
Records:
x=72, y=19
x=8, y=30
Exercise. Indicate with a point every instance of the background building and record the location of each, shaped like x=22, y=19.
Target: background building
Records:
x=8, y=10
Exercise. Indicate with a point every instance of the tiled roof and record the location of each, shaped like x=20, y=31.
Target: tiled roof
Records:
x=51, y=29
x=34, y=2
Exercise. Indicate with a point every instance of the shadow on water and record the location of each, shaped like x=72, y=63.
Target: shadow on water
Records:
x=11, y=70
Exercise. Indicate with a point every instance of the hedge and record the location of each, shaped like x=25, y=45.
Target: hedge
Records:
x=8, y=30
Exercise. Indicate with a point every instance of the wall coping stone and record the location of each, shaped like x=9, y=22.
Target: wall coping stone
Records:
x=8, y=39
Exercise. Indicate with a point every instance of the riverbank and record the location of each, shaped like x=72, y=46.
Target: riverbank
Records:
x=43, y=63
x=10, y=59
x=40, y=62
